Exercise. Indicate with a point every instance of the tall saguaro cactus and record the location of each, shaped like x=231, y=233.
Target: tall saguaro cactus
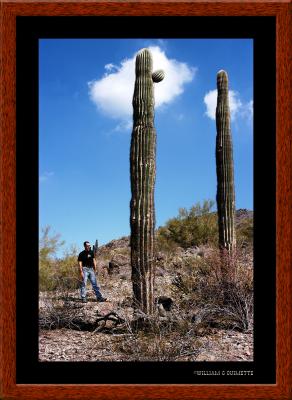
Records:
x=224, y=167
x=143, y=170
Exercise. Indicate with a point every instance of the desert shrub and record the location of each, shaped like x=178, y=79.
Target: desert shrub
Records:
x=244, y=232
x=170, y=338
x=186, y=276
x=218, y=290
x=192, y=227
x=67, y=275
x=58, y=312
x=56, y=273
x=48, y=246
x=164, y=242
x=61, y=275
x=46, y=281
x=159, y=347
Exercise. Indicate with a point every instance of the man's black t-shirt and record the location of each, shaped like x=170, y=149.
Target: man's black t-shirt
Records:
x=87, y=258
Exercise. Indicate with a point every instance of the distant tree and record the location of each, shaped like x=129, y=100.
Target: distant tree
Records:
x=57, y=273
x=48, y=247
x=192, y=227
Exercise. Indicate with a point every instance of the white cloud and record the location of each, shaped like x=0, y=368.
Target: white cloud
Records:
x=247, y=110
x=125, y=125
x=45, y=176
x=210, y=101
x=113, y=93
x=237, y=108
x=109, y=67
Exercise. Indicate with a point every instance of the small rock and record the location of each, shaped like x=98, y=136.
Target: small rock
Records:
x=121, y=259
x=113, y=268
x=165, y=302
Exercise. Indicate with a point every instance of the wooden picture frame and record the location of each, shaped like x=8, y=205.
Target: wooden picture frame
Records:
x=10, y=389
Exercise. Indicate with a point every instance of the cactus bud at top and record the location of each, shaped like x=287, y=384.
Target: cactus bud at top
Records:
x=224, y=167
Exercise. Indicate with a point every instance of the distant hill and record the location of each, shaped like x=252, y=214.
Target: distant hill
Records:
x=243, y=213
x=242, y=217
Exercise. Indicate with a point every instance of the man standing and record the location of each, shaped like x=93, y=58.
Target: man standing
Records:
x=87, y=265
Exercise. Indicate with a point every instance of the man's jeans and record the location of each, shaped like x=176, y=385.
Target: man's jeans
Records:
x=89, y=273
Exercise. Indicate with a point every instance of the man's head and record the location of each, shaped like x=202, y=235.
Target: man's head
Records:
x=86, y=245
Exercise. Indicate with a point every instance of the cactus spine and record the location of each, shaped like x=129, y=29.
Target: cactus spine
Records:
x=224, y=166
x=143, y=170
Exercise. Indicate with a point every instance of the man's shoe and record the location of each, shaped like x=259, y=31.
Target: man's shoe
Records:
x=101, y=299
x=84, y=300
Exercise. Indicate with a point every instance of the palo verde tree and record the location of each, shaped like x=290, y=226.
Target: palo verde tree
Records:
x=224, y=167
x=143, y=171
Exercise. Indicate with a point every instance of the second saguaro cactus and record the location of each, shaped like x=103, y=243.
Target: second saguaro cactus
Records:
x=224, y=167
x=95, y=247
x=143, y=171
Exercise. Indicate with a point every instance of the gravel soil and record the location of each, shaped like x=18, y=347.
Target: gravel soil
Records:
x=72, y=345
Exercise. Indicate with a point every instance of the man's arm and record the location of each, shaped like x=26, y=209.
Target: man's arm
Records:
x=80, y=268
x=94, y=264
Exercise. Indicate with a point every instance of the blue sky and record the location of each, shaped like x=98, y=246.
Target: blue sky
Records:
x=85, y=123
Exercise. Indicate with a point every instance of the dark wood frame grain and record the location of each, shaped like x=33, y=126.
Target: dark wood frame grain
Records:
x=9, y=388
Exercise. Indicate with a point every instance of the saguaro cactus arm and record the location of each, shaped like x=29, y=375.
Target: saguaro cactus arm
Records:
x=224, y=167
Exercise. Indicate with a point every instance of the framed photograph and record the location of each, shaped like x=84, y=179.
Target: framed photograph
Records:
x=66, y=73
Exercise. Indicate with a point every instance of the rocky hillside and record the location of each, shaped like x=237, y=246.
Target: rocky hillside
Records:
x=241, y=215
x=118, y=251
x=197, y=318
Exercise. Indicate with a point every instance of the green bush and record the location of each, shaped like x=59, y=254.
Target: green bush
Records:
x=244, y=231
x=198, y=226
x=60, y=274
x=192, y=227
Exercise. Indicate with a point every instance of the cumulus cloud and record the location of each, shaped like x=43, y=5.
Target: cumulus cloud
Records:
x=247, y=110
x=45, y=176
x=112, y=94
x=237, y=107
x=109, y=67
x=124, y=125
